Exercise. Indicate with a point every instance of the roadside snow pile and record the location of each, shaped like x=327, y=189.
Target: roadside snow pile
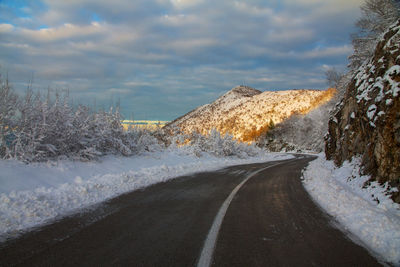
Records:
x=37, y=193
x=366, y=212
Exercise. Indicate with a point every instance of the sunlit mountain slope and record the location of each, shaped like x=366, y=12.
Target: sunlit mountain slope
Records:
x=247, y=113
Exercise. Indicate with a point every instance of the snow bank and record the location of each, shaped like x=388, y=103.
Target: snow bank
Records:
x=366, y=212
x=35, y=194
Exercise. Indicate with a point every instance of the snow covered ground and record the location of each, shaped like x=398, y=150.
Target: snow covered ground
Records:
x=37, y=193
x=367, y=213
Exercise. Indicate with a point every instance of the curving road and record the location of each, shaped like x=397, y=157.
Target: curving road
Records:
x=249, y=215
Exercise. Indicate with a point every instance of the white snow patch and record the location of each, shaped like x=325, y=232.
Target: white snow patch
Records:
x=371, y=111
x=393, y=70
x=389, y=102
x=368, y=213
x=395, y=86
x=35, y=194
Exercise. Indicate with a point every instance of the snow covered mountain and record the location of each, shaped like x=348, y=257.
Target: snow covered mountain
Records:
x=247, y=113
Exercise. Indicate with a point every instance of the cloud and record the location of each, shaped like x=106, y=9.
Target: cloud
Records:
x=186, y=52
x=185, y=3
x=344, y=50
x=119, y=91
x=179, y=20
x=253, y=10
x=5, y=28
x=333, y=5
x=66, y=31
x=137, y=83
x=188, y=46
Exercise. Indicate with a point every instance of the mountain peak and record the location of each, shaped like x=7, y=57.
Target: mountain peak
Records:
x=245, y=91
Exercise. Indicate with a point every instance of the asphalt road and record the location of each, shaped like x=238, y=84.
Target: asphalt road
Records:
x=269, y=221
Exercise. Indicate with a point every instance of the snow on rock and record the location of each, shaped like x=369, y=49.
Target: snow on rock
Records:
x=366, y=212
x=37, y=193
x=371, y=111
x=372, y=96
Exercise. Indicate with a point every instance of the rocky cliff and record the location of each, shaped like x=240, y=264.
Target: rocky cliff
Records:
x=367, y=121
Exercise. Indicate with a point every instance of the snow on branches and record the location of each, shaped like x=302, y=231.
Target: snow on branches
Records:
x=36, y=128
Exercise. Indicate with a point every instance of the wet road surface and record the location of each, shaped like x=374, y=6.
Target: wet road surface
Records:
x=270, y=221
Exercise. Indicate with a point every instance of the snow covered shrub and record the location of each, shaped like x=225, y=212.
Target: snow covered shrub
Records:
x=8, y=104
x=220, y=146
x=143, y=140
x=107, y=133
x=34, y=128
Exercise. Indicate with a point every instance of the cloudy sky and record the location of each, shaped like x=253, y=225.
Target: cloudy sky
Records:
x=162, y=58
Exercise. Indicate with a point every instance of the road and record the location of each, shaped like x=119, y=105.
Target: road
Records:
x=268, y=220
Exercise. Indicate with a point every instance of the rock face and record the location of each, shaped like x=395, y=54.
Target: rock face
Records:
x=367, y=121
x=247, y=113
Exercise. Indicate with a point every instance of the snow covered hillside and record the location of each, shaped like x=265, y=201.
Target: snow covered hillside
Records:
x=247, y=113
x=300, y=132
x=37, y=193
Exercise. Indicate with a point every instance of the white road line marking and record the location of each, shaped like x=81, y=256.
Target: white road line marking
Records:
x=209, y=245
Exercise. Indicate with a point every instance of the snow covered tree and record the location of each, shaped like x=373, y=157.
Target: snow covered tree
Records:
x=219, y=145
x=8, y=109
x=377, y=16
x=36, y=128
x=333, y=77
x=300, y=132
